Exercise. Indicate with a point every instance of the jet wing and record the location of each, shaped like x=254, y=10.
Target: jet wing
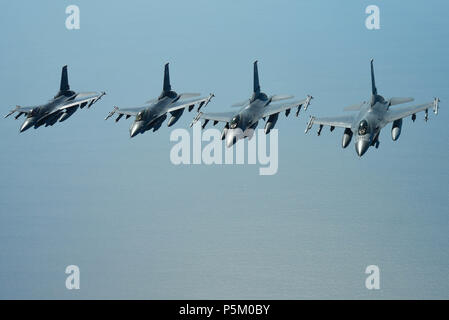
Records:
x=341, y=121
x=81, y=100
x=354, y=107
x=403, y=112
x=202, y=102
x=128, y=112
x=396, y=100
x=214, y=116
x=276, y=108
x=20, y=110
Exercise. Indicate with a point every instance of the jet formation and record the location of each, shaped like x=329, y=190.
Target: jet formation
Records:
x=366, y=125
x=153, y=113
x=372, y=117
x=60, y=108
x=242, y=123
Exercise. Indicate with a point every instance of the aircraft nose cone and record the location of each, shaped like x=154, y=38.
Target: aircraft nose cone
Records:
x=28, y=123
x=361, y=146
x=230, y=140
x=134, y=130
x=231, y=137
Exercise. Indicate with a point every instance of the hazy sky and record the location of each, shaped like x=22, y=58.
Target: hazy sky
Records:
x=82, y=192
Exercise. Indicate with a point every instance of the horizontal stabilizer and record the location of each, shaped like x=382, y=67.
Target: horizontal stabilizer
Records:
x=81, y=95
x=241, y=103
x=279, y=97
x=151, y=101
x=396, y=100
x=188, y=95
x=354, y=107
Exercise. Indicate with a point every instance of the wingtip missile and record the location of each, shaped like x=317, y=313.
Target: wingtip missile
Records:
x=305, y=105
x=211, y=95
x=102, y=93
x=310, y=124
x=206, y=102
x=436, y=103
x=197, y=117
x=111, y=113
x=308, y=101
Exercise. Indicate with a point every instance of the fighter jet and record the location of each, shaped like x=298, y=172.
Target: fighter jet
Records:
x=242, y=123
x=153, y=113
x=60, y=108
x=372, y=117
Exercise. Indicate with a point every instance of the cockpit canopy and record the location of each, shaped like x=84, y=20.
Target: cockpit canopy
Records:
x=139, y=116
x=32, y=113
x=235, y=122
x=363, y=128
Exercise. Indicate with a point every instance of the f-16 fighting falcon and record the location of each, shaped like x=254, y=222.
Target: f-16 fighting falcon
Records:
x=154, y=112
x=372, y=117
x=241, y=124
x=60, y=108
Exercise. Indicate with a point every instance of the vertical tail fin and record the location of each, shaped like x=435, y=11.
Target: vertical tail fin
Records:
x=64, y=80
x=167, y=86
x=373, y=81
x=256, y=78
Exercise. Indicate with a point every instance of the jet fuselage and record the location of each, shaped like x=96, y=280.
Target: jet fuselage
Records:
x=368, y=123
x=40, y=111
x=153, y=116
x=247, y=118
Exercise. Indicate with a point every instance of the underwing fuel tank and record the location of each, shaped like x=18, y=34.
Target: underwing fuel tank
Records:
x=64, y=116
x=250, y=131
x=225, y=131
x=271, y=122
x=157, y=124
x=347, y=136
x=175, y=115
x=396, y=129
